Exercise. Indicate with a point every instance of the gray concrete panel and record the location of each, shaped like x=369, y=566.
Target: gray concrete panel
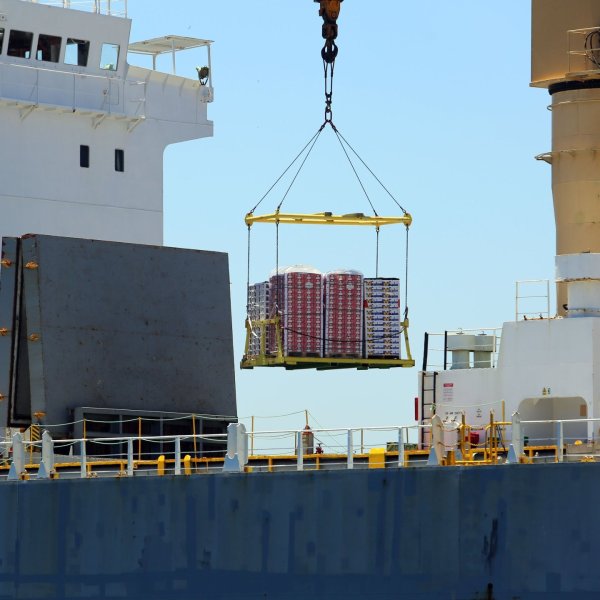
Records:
x=8, y=299
x=529, y=531
x=114, y=325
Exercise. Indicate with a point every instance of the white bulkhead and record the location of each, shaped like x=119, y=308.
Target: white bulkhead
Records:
x=82, y=132
x=547, y=370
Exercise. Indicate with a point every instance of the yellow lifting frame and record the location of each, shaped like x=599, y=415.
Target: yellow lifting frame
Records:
x=327, y=218
x=278, y=359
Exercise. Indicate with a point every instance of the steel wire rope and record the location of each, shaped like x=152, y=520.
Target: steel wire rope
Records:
x=326, y=433
x=328, y=72
x=311, y=144
x=273, y=416
x=377, y=251
x=385, y=336
x=288, y=168
x=172, y=438
x=342, y=140
x=339, y=133
x=277, y=281
x=63, y=445
x=282, y=436
x=181, y=418
x=406, y=275
x=134, y=420
x=316, y=139
x=144, y=419
x=44, y=425
x=248, y=281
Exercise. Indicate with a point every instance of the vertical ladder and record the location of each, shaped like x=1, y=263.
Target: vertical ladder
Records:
x=427, y=395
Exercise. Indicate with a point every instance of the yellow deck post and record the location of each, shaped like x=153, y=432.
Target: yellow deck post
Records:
x=377, y=458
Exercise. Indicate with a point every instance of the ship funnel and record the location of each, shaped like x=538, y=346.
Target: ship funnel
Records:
x=566, y=61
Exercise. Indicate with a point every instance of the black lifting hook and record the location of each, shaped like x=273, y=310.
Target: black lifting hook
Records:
x=330, y=11
x=329, y=52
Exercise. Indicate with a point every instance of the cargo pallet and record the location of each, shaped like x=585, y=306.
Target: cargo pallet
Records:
x=258, y=328
x=280, y=359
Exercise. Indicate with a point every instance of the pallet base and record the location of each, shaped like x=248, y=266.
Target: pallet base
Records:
x=322, y=364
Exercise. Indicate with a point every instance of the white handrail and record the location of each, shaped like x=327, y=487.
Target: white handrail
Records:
x=115, y=8
x=297, y=435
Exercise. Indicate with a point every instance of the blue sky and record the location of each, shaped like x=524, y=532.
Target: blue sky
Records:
x=435, y=96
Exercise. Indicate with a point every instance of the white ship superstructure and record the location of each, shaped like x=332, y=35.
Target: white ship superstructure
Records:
x=548, y=367
x=83, y=132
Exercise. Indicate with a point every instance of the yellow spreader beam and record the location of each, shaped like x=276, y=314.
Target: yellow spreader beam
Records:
x=327, y=218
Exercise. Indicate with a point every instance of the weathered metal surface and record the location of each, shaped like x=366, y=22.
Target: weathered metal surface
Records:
x=114, y=325
x=31, y=294
x=523, y=531
x=8, y=288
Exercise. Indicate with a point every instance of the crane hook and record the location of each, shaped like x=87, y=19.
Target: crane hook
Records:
x=330, y=11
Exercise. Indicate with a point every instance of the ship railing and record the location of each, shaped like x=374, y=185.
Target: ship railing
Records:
x=292, y=450
x=583, y=56
x=354, y=447
x=38, y=86
x=437, y=357
x=532, y=299
x=120, y=456
x=541, y=440
x=123, y=455
x=400, y=442
x=115, y=8
x=571, y=437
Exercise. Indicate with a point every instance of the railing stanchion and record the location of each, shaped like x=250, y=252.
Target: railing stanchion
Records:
x=560, y=441
x=83, y=459
x=130, y=457
x=401, y=446
x=177, y=456
x=517, y=434
x=194, y=435
x=350, y=463
x=299, y=452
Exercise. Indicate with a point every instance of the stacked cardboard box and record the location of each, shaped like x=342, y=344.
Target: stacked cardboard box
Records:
x=258, y=309
x=297, y=293
x=382, y=318
x=343, y=314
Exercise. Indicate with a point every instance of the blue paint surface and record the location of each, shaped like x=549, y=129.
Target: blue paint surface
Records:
x=437, y=533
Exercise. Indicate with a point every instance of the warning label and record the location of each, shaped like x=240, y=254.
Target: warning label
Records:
x=448, y=392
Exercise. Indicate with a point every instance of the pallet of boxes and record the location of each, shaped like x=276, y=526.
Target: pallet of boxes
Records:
x=337, y=315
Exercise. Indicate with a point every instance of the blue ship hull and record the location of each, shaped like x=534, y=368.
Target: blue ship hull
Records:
x=505, y=532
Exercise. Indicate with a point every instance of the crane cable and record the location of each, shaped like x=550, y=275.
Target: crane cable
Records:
x=329, y=54
x=310, y=146
x=316, y=135
x=311, y=143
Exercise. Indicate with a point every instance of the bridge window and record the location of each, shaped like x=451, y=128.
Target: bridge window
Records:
x=84, y=157
x=109, y=58
x=1, y=39
x=120, y=161
x=77, y=52
x=48, y=48
x=19, y=44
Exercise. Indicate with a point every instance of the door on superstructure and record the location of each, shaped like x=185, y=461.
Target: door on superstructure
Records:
x=553, y=408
